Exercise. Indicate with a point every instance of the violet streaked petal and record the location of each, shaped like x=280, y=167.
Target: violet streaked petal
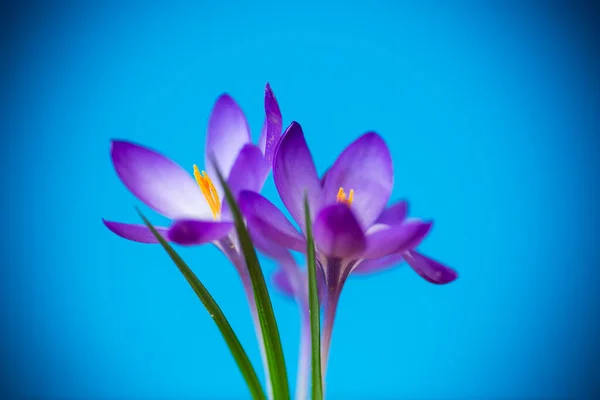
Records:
x=158, y=181
x=430, y=269
x=136, y=232
x=264, y=218
x=295, y=174
x=393, y=239
x=365, y=166
x=393, y=214
x=337, y=232
x=271, y=132
x=262, y=139
x=249, y=172
x=227, y=133
x=282, y=283
x=193, y=232
x=368, y=267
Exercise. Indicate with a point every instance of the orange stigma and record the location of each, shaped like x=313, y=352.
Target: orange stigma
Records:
x=341, y=197
x=209, y=191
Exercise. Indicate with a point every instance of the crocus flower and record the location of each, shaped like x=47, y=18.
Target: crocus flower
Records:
x=351, y=223
x=196, y=205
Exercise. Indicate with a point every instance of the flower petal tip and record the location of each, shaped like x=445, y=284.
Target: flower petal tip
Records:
x=427, y=225
x=135, y=232
x=429, y=269
x=446, y=277
x=373, y=136
x=123, y=147
x=293, y=131
x=117, y=145
x=423, y=228
x=225, y=99
x=293, y=128
x=271, y=105
x=226, y=102
x=373, y=139
x=394, y=214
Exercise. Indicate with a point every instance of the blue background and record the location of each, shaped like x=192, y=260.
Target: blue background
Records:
x=490, y=112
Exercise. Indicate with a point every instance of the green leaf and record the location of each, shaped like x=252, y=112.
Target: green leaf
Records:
x=238, y=352
x=268, y=324
x=313, y=308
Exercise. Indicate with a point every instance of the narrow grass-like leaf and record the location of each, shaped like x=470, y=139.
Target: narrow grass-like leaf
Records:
x=313, y=308
x=238, y=352
x=268, y=323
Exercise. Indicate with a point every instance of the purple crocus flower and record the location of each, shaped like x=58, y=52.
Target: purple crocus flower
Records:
x=351, y=224
x=196, y=205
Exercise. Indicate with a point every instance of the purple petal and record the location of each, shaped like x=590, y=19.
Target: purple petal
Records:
x=321, y=284
x=262, y=139
x=295, y=174
x=227, y=133
x=365, y=167
x=324, y=177
x=192, y=232
x=288, y=278
x=397, y=238
x=337, y=232
x=282, y=283
x=429, y=269
x=249, y=172
x=394, y=214
x=425, y=228
x=376, y=265
x=273, y=250
x=271, y=132
x=286, y=283
x=265, y=219
x=157, y=181
x=135, y=232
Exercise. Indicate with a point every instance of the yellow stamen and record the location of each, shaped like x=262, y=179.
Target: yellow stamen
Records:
x=341, y=196
x=209, y=191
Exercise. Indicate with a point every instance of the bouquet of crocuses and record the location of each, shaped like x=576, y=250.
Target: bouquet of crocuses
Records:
x=345, y=227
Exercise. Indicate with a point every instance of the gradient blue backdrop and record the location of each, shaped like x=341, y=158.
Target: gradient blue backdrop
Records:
x=490, y=113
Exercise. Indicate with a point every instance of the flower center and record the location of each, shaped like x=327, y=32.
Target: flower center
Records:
x=209, y=191
x=341, y=197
